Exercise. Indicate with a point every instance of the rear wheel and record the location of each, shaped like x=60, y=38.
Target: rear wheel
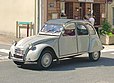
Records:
x=94, y=56
x=45, y=60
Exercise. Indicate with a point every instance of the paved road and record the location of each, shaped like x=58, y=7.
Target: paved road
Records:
x=77, y=70
x=4, y=51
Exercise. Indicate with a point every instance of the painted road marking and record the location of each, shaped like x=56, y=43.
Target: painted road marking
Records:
x=4, y=58
x=112, y=53
x=4, y=51
x=107, y=50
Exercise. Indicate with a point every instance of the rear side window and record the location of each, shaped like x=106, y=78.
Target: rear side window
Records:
x=91, y=29
x=81, y=29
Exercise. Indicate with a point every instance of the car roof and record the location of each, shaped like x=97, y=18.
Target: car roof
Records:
x=64, y=21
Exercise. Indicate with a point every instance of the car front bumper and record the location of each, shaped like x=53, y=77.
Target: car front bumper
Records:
x=16, y=57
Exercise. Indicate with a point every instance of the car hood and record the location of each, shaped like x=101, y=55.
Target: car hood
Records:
x=35, y=40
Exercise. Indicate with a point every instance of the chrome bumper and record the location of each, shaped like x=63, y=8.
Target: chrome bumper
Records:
x=16, y=58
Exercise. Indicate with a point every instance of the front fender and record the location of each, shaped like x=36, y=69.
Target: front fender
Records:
x=34, y=54
x=95, y=45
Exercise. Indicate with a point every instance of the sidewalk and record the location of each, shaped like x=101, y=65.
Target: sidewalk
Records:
x=7, y=40
x=107, y=47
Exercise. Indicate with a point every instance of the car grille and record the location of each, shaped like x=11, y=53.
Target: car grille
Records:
x=17, y=56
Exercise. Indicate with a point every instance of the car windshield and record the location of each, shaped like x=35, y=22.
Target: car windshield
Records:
x=51, y=28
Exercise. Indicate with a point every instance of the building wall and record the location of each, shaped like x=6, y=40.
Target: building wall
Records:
x=53, y=9
x=15, y=10
x=75, y=10
x=24, y=10
x=111, y=13
x=102, y=12
x=96, y=1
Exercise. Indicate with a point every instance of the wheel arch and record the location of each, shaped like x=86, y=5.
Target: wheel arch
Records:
x=33, y=55
x=52, y=50
x=95, y=45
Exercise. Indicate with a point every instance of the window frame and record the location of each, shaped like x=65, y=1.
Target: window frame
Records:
x=78, y=23
x=89, y=29
x=73, y=30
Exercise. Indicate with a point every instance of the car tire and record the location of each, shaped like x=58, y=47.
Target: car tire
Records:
x=94, y=56
x=18, y=63
x=45, y=60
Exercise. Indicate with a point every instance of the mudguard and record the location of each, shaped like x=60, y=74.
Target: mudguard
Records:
x=34, y=54
x=95, y=45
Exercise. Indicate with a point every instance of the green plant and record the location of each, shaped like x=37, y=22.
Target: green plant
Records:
x=106, y=28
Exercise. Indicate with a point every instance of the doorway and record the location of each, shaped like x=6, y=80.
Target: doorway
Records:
x=96, y=13
x=82, y=10
x=69, y=10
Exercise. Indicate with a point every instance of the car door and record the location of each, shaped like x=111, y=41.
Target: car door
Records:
x=82, y=37
x=67, y=41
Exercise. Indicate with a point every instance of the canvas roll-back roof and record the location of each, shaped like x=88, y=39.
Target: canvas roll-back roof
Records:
x=64, y=21
x=59, y=21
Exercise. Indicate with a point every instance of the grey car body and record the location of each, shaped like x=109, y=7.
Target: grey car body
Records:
x=57, y=39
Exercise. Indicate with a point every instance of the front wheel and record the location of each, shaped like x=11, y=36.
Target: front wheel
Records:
x=45, y=60
x=94, y=56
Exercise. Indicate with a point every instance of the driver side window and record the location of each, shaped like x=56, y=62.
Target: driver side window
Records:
x=69, y=30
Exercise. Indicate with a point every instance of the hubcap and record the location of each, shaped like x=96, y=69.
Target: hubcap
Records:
x=46, y=60
x=95, y=55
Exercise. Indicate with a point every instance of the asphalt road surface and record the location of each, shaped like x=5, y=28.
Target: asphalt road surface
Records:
x=76, y=70
x=4, y=51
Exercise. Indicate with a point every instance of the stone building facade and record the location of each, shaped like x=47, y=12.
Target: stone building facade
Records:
x=110, y=12
x=76, y=9
x=39, y=11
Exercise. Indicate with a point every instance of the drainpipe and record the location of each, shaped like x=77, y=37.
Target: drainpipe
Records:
x=91, y=9
x=34, y=29
x=39, y=16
